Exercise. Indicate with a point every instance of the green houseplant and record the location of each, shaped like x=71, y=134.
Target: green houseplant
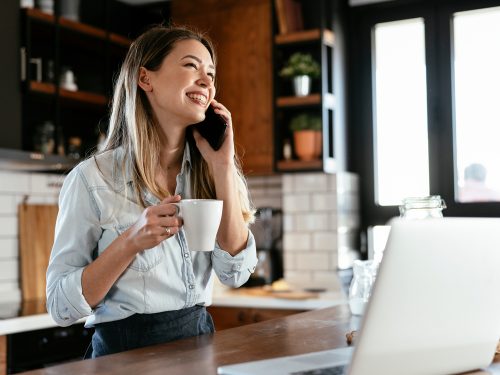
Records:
x=301, y=67
x=307, y=141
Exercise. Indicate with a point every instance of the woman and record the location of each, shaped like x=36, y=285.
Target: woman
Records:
x=119, y=253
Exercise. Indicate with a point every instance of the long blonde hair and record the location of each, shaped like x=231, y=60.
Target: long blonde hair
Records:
x=132, y=125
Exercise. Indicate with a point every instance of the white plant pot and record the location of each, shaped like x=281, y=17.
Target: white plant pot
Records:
x=302, y=85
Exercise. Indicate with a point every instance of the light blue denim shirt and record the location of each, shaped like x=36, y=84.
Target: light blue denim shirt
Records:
x=95, y=207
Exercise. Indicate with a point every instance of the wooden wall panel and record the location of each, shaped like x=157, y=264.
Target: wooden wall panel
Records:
x=241, y=31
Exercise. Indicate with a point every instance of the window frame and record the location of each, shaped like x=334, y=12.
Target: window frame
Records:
x=438, y=37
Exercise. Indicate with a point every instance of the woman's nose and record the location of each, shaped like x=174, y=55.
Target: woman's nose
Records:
x=205, y=80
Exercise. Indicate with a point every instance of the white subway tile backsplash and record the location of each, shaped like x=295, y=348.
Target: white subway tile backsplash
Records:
x=296, y=203
x=15, y=182
x=347, y=182
x=296, y=241
x=267, y=201
x=327, y=279
x=256, y=182
x=288, y=223
x=43, y=183
x=11, y=304
x=332, y=182
x=7, y=204
x=289, y=261
x=348, y=219
x=8, y=286
x=299, y=279
x=288, y=183
x=317, y=207
x=333, y=221
x=324, y=241
x=311, y=221
x=334, y=260
x=8, y=269
x=8, y=225
x=313, y=261
x=348, y=202
x=9, y=247
x=324, y=201
x=310, y=182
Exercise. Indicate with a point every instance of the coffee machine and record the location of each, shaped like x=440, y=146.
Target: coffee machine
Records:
x=268, y=232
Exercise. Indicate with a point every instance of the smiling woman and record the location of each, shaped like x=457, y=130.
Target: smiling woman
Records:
x=120, y=255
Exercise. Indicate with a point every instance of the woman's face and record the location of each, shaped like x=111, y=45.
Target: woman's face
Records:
x=183, y=87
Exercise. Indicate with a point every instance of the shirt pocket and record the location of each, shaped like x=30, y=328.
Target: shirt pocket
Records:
x=144, y=260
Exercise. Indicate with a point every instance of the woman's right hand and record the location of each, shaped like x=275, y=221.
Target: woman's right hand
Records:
x=156, y=224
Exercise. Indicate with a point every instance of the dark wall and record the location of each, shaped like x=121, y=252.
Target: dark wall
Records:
x=10, y=88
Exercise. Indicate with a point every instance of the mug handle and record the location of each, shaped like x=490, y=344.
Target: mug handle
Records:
x=178, y=207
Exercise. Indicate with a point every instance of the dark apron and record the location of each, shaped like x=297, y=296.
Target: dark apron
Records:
x=141, y=330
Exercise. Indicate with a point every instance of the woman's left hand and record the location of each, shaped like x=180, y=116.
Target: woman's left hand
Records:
x=225, y=154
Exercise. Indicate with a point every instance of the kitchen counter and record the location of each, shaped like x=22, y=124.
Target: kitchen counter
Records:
x=296, y=334
x=29, y=316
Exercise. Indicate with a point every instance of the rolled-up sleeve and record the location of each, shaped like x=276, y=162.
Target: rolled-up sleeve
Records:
x=76, y=236
x=234, y=271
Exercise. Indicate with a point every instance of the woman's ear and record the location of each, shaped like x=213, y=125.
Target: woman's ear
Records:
x=144, y=82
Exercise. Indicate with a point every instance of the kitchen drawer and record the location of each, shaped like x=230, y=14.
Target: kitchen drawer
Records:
x=230, y=317
x=45, y=347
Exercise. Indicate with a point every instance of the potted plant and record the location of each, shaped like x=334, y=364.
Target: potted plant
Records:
x=301, y=67
x=306, y=130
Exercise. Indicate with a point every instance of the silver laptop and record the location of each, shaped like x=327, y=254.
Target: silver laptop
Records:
x=435, y=306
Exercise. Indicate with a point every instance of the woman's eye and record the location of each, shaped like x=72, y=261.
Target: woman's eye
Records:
x=192, y=65
x=211, y=75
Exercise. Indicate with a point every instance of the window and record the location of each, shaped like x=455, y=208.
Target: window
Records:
x=476, y=47
x=401, y=154
x=424, y=85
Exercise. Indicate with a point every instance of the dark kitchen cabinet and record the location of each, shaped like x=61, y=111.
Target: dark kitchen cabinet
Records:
x=231, y=317
x=46, y=347
x=10, y=90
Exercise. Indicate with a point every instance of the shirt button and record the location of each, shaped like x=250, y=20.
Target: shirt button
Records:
x=191, y=286
x=186, y=255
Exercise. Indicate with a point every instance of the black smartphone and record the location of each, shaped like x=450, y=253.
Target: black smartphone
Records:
x=213, y=128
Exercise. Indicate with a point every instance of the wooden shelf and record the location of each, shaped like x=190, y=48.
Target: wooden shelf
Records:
x=84, y=97
x=79, y=27
x=295, y=165
x=306, y=36
x=37, y=14
x=76, y=96
x=42, y=87
x=288, y=101
x=119, y=40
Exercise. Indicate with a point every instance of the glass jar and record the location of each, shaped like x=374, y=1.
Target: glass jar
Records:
x=422, y=207
x=364, y=272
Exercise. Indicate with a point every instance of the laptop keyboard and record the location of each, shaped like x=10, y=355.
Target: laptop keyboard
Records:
x=336, y=370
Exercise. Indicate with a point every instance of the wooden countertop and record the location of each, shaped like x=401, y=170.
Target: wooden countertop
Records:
x=296, y=334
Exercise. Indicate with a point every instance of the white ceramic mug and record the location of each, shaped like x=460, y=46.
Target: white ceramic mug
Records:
x=201, y=221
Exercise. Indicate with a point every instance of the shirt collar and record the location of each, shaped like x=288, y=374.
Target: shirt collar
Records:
x=119, y=175
x=120, y=154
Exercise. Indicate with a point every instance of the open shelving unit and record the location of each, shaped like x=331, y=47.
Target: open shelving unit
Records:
x=317, y=35
x=91, y=52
